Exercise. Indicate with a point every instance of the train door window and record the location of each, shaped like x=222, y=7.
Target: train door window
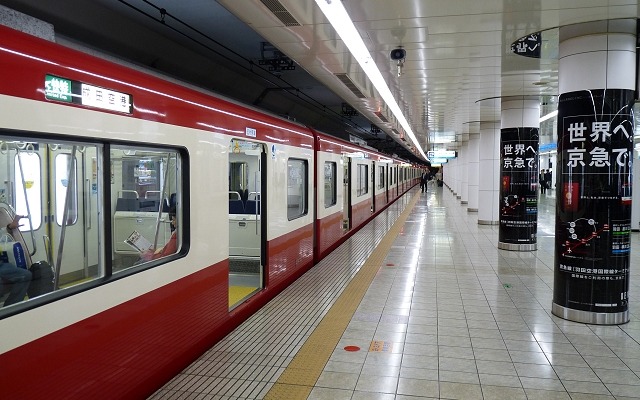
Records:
x=330, y=184
x=145, y=204
x=380, y=177
x=362, y=183
x=238, y=176
x=64, y=168
x=28, y=188
x=40, y=177
x=297, y=178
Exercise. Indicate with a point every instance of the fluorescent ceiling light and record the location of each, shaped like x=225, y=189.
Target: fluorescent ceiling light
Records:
x=550, y=115
x=336, y=14
x=442, y=140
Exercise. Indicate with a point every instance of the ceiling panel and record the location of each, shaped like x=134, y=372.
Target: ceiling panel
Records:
x=458, y=52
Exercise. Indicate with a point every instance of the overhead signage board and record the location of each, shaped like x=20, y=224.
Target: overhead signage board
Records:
x=528, y=46
x=441, y=154
x=70, y=91
x=548, y=146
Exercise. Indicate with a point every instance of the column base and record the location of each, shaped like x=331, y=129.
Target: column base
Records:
x=518, y=246
x=485, y=222
x=472, y=210
x=590, y=317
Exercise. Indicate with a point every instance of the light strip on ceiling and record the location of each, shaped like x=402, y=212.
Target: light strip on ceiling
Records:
x=548, y=116
x=335, y=12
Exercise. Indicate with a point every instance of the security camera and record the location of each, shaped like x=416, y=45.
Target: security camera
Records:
x=398, y=54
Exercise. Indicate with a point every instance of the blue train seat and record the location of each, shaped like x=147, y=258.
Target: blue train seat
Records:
x=236, y=207
x=252, y=207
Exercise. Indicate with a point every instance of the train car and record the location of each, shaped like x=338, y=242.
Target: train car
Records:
x=353, y=185
x=165, y=215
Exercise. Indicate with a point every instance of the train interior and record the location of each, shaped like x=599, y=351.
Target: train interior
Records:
x=59, y=187
x=246, y=172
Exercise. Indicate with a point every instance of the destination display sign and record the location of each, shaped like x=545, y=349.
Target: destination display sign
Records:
x=84, y=94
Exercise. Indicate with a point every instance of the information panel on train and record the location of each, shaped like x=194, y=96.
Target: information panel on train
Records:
x=69, y=91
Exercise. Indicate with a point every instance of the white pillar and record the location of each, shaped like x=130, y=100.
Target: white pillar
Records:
x=464, y=194
x=489, y=178
x=473, y=167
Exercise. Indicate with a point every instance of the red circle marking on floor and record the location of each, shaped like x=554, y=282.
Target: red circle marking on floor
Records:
x=352, y=348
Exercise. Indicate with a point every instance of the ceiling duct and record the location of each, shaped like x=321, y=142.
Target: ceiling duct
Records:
x=381, y=116
x=280, y=12
x=350, y=85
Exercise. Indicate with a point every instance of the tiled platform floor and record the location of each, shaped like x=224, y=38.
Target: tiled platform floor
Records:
x=452, y=316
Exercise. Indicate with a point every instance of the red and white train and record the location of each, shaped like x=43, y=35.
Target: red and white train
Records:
x=98, y=155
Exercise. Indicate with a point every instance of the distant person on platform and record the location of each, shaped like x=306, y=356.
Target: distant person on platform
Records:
x=424, y=179
x=547, y=179
x=439, y=177
x=542, y=182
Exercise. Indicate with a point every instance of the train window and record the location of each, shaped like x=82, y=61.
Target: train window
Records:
x=39, y=178
x=297, y=174
x=145, y=187
x=330, y=184
x=362, y=180
x=28, y=188
x=380, y=177
x=238, y=176
x=63, y=165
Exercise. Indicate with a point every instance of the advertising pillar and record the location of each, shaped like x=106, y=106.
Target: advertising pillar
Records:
x=519, y=174
x=593, y=206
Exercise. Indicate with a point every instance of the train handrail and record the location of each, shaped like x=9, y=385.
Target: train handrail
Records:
x=121, y=192
x=71, y=176
x=26, y=202
x=47, y=249
x=160, y=204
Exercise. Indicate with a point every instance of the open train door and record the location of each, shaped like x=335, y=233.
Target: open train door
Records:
x=247, y=224
x=346, y=191
x=374, y=185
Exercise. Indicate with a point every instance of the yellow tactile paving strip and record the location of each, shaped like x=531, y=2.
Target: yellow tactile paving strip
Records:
x=297, y=381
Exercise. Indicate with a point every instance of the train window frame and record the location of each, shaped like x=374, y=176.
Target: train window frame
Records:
x=380, y=176
x=124, y=251
x=330, y=184
x=60, y=191
x=300, y=179
x=101, y=173
x=362, y=181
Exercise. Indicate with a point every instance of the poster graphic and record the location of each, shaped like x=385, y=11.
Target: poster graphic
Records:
x=593, y=214
x=518, y=188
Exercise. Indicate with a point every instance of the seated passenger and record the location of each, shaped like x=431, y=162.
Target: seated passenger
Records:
x=172, y=245
x=17, y=278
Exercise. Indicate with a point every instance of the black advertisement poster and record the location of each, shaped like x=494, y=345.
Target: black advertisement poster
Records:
x=593, y=205
x=518, y=186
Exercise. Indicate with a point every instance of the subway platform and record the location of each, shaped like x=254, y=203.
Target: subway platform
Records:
x=421, y=304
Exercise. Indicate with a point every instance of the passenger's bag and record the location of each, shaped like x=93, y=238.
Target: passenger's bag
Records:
x=12, y=251
x=42, y=276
